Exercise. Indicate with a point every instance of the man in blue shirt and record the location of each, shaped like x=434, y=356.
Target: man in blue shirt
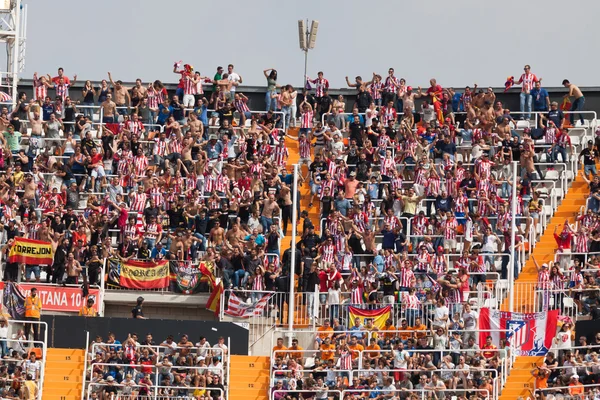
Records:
x=541, y=99
x=158, y=252
x=342, y=204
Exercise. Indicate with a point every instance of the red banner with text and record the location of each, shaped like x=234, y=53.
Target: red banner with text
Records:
x=60, y=298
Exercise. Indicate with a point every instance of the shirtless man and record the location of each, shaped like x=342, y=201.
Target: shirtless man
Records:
x=503, y=128
x=409, y=103
x=577, y=104
x=489, y=96
x=270, y=208
x=122, y=97
x=29, y=186
x=194, y=125
x=235, y=237
x=216, y=237
x=109, y=110
x=225, y=85
x=142, y=90
x=36, y=123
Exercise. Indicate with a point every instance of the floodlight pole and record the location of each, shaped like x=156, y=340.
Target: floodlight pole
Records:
x=307, y=37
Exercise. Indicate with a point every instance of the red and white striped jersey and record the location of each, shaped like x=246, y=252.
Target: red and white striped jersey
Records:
x=453, y=296
x=140, y=164
x=580, y=242
x=256, y=168
x=450, y=225
x=390, y=84
x=152, y=231
x=222, y=183
x=304, y=146
x=327, y=253
x=407, y=278
x=459, y=174
x=482, y=207
x=433, y=186
x=410, y=301
x=280, y=154
x=420, y=176
x=152, y=99
x=479, y=265
x=550, y=135
x=375, y=88
x=440, y=266
x=320, y=86
x=175, y=146
x=258, y=283
x=241, y=106
x=346, y=360
x=156, y=194
x=62, y=91
x=419, y=225
x=528, y=81
x=423, y=261
x=383, y=142
x=327, y=184
x=393, y=222
x=388, y=260
x=388, y=165
x=483, y=169
x=160, y=147
x=125, y=161
x=134, y=127
x=130, y=231
x=138, y=201
x=558, y=282
x=189, y=86
x=388, y=114
x=41, y=90
x=360, y=220
x=504, y=221
x=460, y=204
x=32, y=231
x=306, y=120
x=397, y=183
x=356, y=295
x=543, y=281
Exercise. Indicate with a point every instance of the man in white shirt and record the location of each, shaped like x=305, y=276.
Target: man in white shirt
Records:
x=32, y=366
x=203, y=349
x=220, y=349
x=235, y=80
x=470, y=318
x=401, y=357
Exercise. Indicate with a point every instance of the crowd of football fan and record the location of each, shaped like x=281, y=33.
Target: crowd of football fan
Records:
x=189, y=177
x=169, y=369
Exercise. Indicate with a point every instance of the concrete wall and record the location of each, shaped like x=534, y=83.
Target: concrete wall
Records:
x=168, y=311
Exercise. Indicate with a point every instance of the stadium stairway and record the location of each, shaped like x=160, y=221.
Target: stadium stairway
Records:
x=520, y=380
x=249, y=378
x=303, y=195
x=63, y=374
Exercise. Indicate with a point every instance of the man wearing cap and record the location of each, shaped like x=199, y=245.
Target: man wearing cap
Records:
x=137, y=312
x=575, y=387
x=589, y=155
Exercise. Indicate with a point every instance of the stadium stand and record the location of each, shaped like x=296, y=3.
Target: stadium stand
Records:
x=404, y=243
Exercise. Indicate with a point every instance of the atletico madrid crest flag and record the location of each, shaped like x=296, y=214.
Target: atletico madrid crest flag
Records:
x=378, y=315
x=530, y=333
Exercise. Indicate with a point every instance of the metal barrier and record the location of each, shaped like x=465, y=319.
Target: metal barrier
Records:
x=158, y=391
x=222, y=371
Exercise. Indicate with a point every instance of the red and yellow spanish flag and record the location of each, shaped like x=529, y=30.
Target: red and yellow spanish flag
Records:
x=144, y=275
x=215, y=298
x=30, y=252
x=378, y=315
x=207, y=274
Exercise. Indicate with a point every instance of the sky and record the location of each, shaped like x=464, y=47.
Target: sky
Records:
x=460, y=42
